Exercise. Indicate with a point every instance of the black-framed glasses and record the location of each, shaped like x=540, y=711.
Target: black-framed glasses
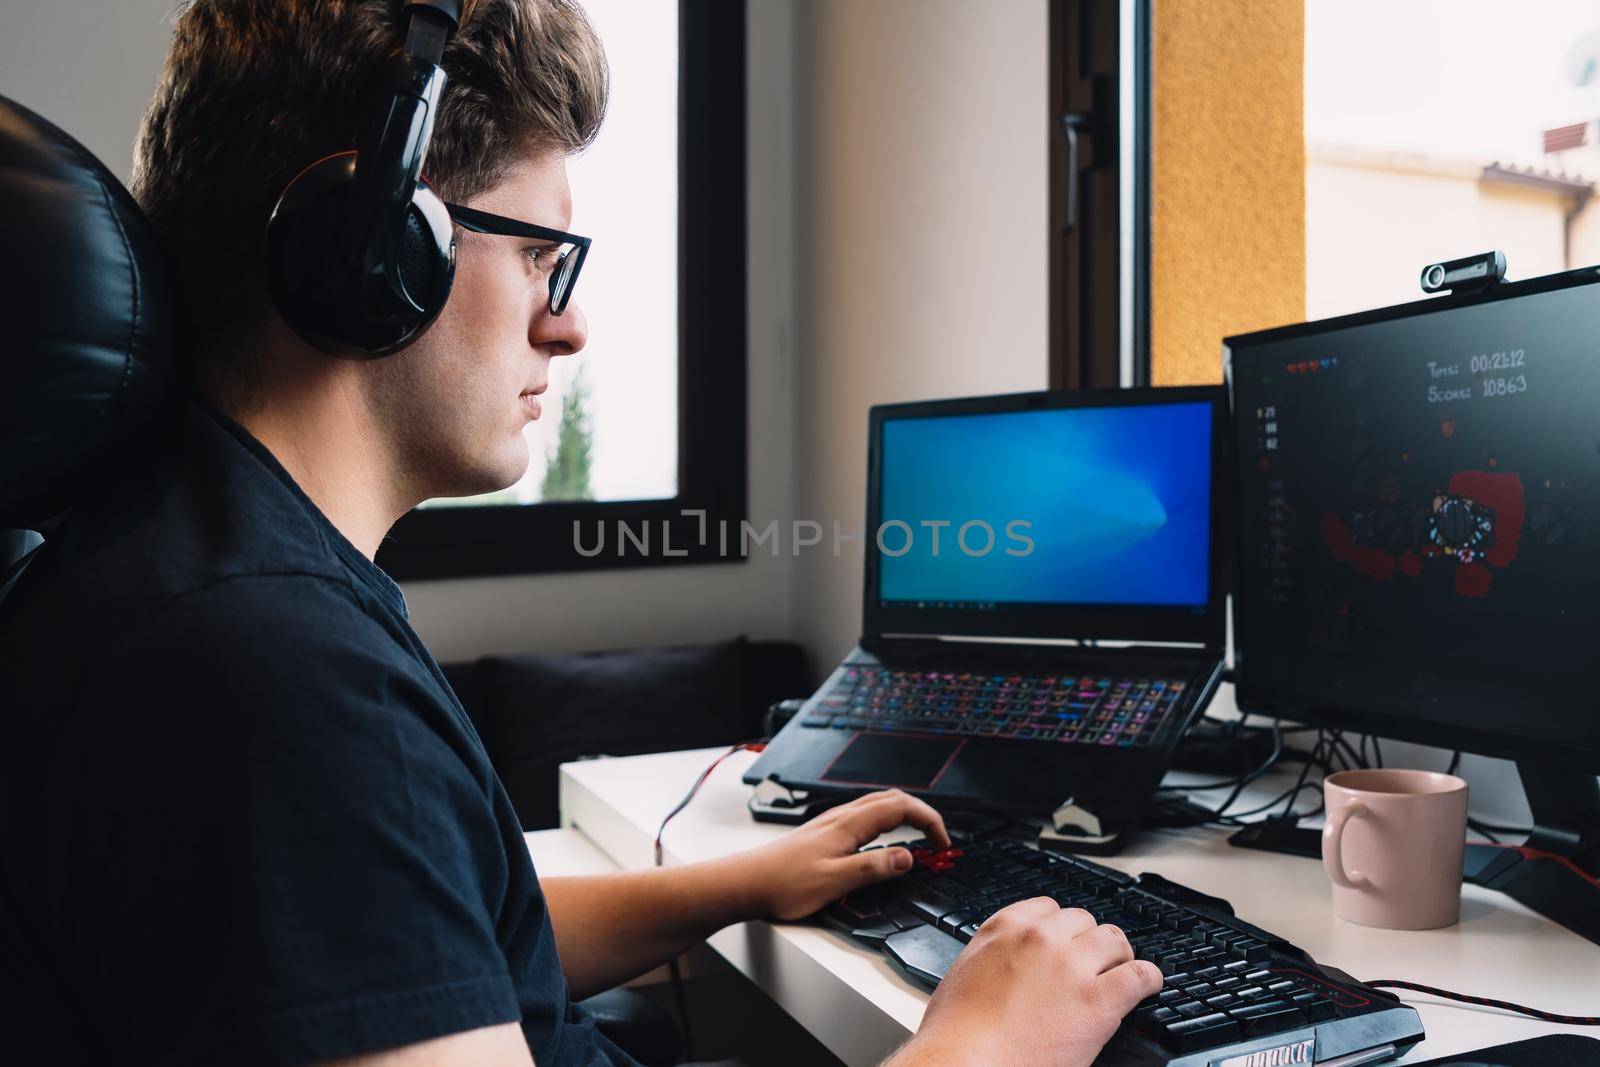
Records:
x=569, y=261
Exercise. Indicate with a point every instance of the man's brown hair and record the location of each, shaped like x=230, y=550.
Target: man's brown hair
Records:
x=255, y=90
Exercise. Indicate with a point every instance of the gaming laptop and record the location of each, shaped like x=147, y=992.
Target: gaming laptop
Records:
x=1043, y=605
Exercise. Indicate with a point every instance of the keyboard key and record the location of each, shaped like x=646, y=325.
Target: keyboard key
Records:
x=1267, y=1018
x=1203, y=1031
x=1251, y=951
x=928, y=902
x=955, y=920
x=1151, y=1018
x=902, y=916
x=1316, y=1009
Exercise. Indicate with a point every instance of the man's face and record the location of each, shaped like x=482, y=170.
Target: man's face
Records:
x=455, y=403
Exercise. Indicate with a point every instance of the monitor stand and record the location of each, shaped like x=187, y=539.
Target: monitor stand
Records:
x=1556, y=872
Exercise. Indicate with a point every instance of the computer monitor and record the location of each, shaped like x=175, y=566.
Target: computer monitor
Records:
x=1418, y=555
x=1069, y=514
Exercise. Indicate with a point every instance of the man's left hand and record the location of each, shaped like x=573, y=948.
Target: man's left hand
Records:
x=816, y=864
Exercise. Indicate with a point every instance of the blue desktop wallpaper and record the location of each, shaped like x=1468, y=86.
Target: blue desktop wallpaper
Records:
x=1118, y=498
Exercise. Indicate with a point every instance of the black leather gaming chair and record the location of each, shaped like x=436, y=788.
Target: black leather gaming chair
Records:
x=88, y=345
x=89, y=367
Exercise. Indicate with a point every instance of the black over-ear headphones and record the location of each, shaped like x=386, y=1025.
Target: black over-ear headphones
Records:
x=360, y=252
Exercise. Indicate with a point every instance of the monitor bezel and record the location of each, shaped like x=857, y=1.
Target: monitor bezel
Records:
x=1203, y=626
x=1250, y=694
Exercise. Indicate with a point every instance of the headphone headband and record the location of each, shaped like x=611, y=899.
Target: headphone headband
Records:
x=360, y=252
x=454, y=10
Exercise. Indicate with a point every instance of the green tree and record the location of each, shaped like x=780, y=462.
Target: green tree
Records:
x=566, y=473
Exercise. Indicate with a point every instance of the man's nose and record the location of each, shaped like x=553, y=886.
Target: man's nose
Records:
x=561, y=335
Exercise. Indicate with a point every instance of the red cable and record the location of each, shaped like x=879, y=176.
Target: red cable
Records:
x=743, y=746
x=1547, y=1016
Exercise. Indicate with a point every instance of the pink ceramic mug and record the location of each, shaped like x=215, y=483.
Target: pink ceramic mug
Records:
x=1392, y=847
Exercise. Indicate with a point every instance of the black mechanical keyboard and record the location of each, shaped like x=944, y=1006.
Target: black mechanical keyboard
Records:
x=1234, y=996
x=1068, y=709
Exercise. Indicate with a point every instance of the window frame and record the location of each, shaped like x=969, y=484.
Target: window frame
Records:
x=444, y=542
x=1099, y=267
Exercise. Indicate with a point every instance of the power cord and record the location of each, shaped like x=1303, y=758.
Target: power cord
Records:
x=678, y=996
x=1332, y=752
x=743, y=746
x=1506, y=1005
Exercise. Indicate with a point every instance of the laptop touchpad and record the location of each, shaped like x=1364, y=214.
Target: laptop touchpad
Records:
x=891, y=760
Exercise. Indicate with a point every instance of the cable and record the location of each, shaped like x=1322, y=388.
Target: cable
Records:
x=1316, y=757
x=1506, y=1005
x=743, y=746
x=1455, y=761
x=682, y=1003
x=678, y=995
x=1293, y=793
x=1474, y=824
x=1219, y=814
x=1346, y=752
x=1277, y=750
x=1177, y=812
x=1239, y=779
x=1239, y=725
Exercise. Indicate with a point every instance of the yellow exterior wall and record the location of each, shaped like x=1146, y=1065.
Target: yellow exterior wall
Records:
x=1228, y=163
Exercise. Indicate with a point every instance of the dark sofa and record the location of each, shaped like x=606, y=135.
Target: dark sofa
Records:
x=535, y=712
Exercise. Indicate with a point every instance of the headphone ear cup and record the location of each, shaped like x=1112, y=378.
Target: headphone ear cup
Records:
x=426, y=258
x=320, y=290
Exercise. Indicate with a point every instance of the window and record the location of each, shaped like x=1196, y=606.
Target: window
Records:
x=639, y=455
x=1403, y=168
x=1309, y=157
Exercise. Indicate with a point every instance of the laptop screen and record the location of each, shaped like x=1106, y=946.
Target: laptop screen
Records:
x=1080, y=508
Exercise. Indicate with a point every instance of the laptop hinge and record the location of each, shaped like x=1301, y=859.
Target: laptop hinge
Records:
x=873, y=643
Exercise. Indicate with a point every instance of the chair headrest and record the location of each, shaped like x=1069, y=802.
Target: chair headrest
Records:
x=88, y=360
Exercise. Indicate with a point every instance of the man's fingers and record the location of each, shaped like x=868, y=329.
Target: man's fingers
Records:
x=1073, y=922
x=1130, y=982
x=877, y=865
x=878, y=813
x=1103, y=948
x=1024, y=912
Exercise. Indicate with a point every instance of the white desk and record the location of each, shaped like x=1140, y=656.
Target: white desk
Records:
x=859, y=1007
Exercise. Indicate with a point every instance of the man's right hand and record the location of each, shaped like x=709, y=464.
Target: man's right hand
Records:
x=1038, y=984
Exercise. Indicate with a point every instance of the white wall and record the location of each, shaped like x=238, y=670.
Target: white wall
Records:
x=88, y=66
x=924, y=132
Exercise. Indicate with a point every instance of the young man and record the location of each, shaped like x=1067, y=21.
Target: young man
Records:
x=259, y=828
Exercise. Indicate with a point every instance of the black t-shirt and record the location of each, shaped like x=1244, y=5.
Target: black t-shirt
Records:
x=243, y=819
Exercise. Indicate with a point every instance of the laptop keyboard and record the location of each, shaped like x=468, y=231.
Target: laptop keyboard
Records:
x=1081, y=709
